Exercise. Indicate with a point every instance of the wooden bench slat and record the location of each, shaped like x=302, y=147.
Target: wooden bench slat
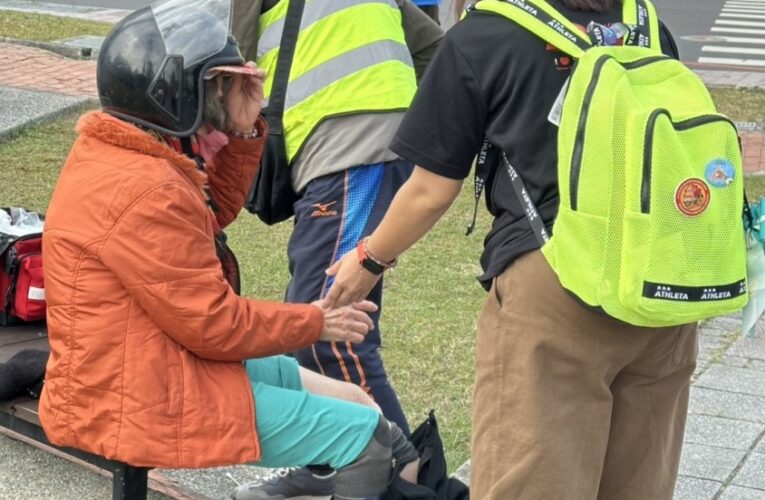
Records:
x=13, y=334
x=27, y=410
x=7, y=351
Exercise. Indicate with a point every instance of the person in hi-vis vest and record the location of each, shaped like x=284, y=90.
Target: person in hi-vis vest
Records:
x=353, y=75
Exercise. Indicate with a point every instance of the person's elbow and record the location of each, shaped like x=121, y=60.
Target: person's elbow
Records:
x=433, y=193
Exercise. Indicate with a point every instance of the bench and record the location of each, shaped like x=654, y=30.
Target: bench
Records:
x=19, y=418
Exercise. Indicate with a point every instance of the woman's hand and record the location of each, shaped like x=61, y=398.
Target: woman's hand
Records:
x=346, y=324
x=352, y=282
x=244, y=100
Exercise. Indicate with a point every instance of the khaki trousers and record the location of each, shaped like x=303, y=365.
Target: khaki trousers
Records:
x=571, y=404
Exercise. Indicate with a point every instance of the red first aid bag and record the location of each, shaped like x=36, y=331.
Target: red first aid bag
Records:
x=22, y=291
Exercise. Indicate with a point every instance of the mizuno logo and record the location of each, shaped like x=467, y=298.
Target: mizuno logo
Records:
x=322, y=210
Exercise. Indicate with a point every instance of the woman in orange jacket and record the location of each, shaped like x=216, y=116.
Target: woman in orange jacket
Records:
x=148, y=337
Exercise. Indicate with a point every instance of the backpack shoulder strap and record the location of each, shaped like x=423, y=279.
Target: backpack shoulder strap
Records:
x=642, y=15
x=543, y=20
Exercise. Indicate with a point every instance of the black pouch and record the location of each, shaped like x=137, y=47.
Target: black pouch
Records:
x=272, y=197
x=432, y=481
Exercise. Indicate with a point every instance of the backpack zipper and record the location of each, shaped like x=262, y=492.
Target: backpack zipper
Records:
x=578, y=154
x=576, y=161
x=645, y=186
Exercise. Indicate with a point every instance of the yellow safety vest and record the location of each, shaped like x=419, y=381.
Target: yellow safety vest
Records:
x=350, y=58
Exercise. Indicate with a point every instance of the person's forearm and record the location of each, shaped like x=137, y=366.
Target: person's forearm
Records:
x=418, y=205
x=420, y=202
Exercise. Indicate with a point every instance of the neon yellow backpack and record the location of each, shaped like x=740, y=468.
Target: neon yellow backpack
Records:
x=650, y=177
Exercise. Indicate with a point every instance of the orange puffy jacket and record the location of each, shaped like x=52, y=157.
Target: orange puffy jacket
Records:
x=147, y=337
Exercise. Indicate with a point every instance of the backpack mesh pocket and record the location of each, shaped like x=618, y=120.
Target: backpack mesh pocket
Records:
x=681, y=254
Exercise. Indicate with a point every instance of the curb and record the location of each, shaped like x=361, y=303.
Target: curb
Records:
x=79, y=53
x=81, y=105
x=463, y=473
x=723, y=67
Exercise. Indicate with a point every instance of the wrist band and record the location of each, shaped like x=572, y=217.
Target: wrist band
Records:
x=372, y=256
x=245, y=135
x=369, y=262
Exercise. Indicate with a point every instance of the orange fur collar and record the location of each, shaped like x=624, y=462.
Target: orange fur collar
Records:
x=112, y=130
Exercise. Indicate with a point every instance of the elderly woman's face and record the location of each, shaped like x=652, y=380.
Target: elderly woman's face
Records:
x=215, y=113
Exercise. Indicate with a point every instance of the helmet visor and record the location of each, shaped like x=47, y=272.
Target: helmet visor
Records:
x=193, y=29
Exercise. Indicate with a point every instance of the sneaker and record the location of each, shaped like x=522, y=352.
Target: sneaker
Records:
x=294, y=483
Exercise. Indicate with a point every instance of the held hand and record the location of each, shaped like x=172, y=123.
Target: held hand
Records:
x=346, y=324
x=244, y=100
x=352, y=282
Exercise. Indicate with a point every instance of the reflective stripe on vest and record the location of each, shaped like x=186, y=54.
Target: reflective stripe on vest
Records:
x=345, y=65
x=313, y=11
x=351, y=57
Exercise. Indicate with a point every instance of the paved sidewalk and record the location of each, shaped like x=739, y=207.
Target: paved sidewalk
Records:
x=754, y=153
x=21, y=108
x=36, y=69
x=724, y=451
x=727, y=77
x=36, y=85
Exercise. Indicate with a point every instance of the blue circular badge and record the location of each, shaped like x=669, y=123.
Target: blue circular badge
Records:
x=720, y=173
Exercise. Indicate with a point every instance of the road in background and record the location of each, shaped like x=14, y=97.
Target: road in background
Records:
x=718, y=32
x=689, y=18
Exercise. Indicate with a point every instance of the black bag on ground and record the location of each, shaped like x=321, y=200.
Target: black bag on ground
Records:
x=271, y=195
x=433, y=483
x=23, y=374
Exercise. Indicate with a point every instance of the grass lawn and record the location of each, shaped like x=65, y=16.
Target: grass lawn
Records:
x=43, y=28
x=739, y=104
x=432, y=299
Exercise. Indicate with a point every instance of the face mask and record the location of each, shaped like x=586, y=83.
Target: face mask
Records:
x=210, y=141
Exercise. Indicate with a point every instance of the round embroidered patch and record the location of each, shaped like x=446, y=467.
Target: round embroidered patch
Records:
x=720, y=172
x=692, y=196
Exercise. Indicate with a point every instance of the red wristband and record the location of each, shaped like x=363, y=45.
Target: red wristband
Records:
x=369, y=261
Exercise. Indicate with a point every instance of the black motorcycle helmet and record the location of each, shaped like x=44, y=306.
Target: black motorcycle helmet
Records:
x=151, y=66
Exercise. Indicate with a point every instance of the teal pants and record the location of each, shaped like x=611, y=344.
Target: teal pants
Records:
x=296, y=428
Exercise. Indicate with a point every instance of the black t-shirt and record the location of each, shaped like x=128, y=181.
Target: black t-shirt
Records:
x=493, y=78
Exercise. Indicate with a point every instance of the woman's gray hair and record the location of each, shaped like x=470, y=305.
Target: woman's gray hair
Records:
x=215, y=112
